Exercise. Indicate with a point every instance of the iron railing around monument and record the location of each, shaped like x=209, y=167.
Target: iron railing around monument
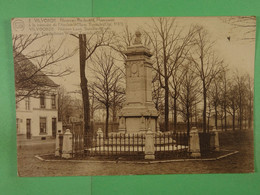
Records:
x=166, y=145
x=117, y=144
x=170, y=144
x=114, y=144
x=130, y=144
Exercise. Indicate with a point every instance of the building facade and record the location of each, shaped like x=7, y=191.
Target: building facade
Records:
x=36, y=100
x=38, y=116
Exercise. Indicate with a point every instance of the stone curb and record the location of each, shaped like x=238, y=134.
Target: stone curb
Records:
x=136, y=162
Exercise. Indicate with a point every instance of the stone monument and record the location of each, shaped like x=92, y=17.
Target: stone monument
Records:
x=138, y=113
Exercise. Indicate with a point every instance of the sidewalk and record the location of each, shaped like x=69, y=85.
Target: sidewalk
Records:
x=23, y=141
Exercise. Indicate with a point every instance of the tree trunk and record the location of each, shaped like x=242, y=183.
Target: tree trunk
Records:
x=191, y=115
x=250, y=105
x=225, y=117
x=222, y=124
x=84, y=88
x=92, y=108
x=196, y=119
x=240, y=113
x=234, y=120
x=188, y=120
x=204, y=108
x=238, y=121
x=166, y=106
x=208, y=123
x=113, y=110
x=225, y=111
x=245, y=120
x=107, y=117
x=250, y=112
x=175, y=114
x=216, y=117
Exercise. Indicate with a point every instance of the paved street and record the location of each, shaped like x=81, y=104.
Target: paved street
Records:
x=241, y=162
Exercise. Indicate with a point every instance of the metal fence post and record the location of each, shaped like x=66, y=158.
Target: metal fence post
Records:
x=149, y=145
x=194, y=142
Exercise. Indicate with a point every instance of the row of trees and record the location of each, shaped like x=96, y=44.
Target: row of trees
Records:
x=106, y=89
x=187, y=72
x=190, y=73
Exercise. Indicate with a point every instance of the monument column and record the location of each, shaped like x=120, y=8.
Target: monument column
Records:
x=138, y=113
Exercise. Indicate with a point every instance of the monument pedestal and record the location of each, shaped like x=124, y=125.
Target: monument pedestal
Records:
x=138, y=113
x=136, y=119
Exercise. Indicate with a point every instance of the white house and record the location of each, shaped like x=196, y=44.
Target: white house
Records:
x=37, y=113
x=37, y=116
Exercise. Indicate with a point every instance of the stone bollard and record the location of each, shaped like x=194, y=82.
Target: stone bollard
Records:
x=216, y=139
x=67, y=144
x=149, y=145
x=194, y=142
x=100, y=136
x=58, y=143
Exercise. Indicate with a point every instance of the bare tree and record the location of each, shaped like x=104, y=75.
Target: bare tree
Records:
x=169, y=49
x=123, y=40
x=189, y=94
x=34, y=67
x=218, y=97
x=208, y=114
x=196, y=111
x=94, y=104
x=175, y=83
x=206, y=65
x=107, y=82
x=157, y=93
x=241, y=92
x=118, y=97
x=87, y=47
x=214, y=98
x=250, y=87
x=232, y=102
x=69, y=105
x=223, y=95
x=64, y=109
x=244, y=92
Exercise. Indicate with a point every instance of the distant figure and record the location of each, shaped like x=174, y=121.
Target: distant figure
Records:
x=228, y=38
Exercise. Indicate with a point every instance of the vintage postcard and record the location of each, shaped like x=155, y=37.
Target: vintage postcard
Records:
x=124, y=96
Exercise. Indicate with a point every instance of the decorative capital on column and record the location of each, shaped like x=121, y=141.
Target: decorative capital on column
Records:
x=137, y=40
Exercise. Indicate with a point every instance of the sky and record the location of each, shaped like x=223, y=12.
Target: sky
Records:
x=239, y=54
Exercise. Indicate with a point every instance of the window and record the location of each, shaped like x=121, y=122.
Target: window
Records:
x=27, y=103
x=18, y=125
x=53, y=101
x=42, y=101
x=43, y=125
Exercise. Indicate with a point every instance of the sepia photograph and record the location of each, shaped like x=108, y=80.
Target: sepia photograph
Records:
x=134, y=96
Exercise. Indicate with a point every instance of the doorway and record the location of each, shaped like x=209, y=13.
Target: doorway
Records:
x=28, y=128
x=54, y=127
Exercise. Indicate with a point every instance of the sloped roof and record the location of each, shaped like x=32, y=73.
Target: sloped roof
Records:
x=28, y=75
